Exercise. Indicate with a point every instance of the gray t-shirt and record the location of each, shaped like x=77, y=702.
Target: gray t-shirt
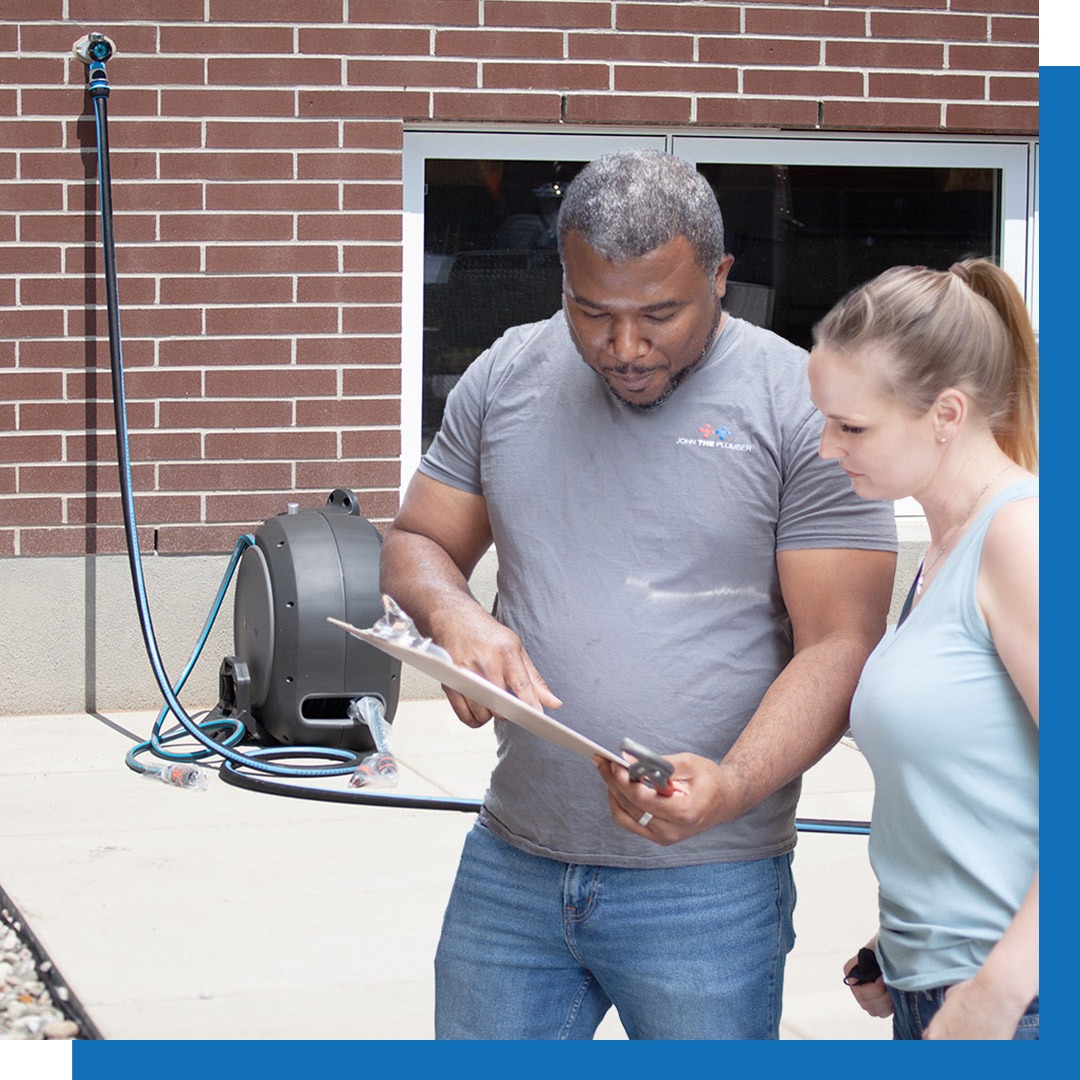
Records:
x=636, y=561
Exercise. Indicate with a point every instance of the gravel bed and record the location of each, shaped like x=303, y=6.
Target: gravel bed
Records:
x=35, y=1003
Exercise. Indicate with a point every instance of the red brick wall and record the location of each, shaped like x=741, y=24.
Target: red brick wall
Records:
x=257, y=195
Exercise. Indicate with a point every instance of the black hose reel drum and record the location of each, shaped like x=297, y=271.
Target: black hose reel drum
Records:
x=294, y=675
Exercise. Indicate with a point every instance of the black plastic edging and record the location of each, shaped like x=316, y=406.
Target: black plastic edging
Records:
x=61, y=994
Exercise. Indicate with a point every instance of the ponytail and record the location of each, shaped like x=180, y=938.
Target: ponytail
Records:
x=1017, y=434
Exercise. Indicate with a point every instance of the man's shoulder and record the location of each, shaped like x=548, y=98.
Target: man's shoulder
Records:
x=762, y=363
x=547, y=337
x=520, y=359
x=759, y=339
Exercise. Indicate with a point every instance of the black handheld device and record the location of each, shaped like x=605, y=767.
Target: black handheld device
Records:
x=866, y=970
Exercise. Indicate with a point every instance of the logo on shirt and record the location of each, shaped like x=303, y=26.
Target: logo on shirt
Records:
x=713, y=436
x=709, y=432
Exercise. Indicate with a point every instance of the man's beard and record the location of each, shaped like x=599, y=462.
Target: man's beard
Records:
x=678, y=378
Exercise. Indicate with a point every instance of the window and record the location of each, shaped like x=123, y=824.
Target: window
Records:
x=806, y=217
x=490, y=261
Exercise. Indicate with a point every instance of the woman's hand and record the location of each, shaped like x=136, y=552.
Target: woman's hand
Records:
x=873, y=997
x=972, y=1011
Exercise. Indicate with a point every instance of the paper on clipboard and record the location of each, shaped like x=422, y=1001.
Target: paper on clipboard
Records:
x=481, y=690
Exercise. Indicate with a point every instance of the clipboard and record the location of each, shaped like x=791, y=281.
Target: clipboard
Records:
x=501, y=702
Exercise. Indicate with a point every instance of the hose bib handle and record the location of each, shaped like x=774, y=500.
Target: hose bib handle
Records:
x=95, y=50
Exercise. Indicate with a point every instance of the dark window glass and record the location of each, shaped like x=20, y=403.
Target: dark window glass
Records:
x=490, y=261
x=806, y=234
x=802, y=235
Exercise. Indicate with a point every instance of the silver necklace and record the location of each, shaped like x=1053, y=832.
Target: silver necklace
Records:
x=924, y=570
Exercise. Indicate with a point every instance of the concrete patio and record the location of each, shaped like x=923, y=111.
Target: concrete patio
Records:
x=233, y=914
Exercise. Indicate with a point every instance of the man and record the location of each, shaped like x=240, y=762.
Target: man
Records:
x=677, y=561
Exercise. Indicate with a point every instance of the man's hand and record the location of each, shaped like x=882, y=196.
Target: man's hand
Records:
x=477, y=641
x=696, y=803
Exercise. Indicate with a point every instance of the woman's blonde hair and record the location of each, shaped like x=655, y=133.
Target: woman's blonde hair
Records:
x=966, y=328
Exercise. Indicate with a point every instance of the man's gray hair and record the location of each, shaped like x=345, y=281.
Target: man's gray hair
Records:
x=631, y=202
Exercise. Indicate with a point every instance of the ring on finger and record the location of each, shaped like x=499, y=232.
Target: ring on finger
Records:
x=644, y=820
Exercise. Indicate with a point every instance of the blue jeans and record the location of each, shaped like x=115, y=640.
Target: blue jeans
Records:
x=914, y=1009
x=535, y=948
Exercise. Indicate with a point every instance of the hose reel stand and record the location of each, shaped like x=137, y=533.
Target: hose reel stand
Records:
x=294, y=675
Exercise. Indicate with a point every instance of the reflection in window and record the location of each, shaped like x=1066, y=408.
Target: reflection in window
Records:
x=802, y=235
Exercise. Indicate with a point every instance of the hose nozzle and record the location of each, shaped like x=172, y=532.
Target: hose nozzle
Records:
x=94, y=48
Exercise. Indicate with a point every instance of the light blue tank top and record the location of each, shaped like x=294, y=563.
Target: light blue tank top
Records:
x=955, y=755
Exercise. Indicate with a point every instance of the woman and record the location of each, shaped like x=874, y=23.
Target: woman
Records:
x=928, y=384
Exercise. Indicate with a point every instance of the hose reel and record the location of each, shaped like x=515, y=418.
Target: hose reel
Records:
x=293, y=675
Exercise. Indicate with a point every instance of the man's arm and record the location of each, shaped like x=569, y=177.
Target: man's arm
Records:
x=838, y=600
x=428, y=555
